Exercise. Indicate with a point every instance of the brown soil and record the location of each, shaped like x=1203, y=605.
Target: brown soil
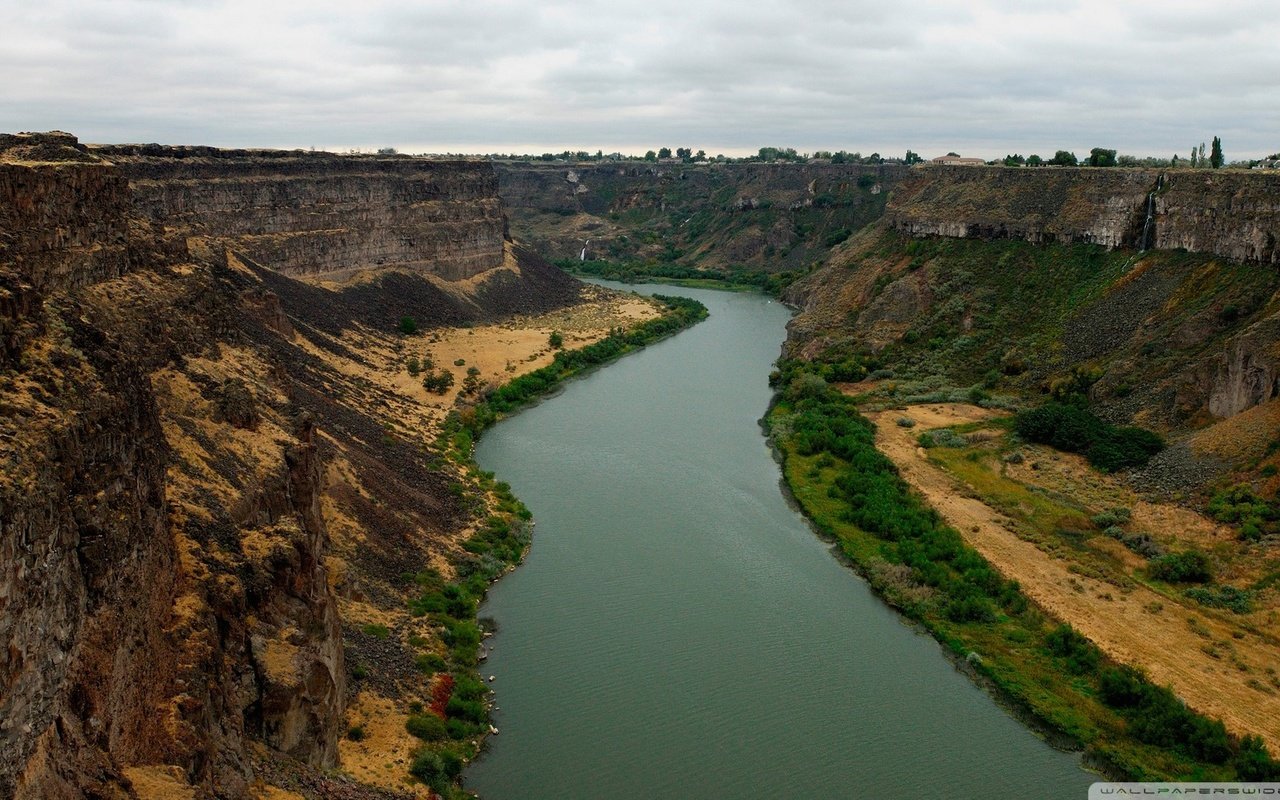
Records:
x=1215, y=664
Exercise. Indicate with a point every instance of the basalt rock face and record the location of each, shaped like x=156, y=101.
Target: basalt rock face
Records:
x=171, y=448
x=760, y=216
x=1234, y=214
x=167, y=610
x=321, y=214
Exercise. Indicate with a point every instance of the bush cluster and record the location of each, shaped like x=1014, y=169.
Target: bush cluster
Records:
x=1191, y=566
x=878, y=501
x=1239, y=504
x=1069, y=427
x=1156, y=716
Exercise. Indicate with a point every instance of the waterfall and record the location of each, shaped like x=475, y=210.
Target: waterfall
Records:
x=583, y=255
x=1149, y=225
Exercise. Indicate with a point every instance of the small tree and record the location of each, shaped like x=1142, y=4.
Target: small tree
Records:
x=408, y=326
x=438, y=382
x=556, y=340
x=413, y=366
x=1215, y=156
x=1065, y=158
x=912, y=158
x=664, y=152
x=1034, y=161
x=1098, y=157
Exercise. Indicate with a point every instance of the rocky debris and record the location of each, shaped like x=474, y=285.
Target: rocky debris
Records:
x=389, y=666
x=1177, y=471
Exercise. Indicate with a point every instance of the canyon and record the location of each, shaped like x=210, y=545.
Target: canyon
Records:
x=222, y=487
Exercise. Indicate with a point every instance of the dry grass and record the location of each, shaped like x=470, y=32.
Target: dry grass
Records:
x=382, y=757
x=159, y=783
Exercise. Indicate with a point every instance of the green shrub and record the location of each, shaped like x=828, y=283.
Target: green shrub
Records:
x=1229, y=597
x=461, y=729
x=836, y=237
x=1142, y=544
x=970, y=609
x=438, y=382
x=1191, y=566
x=1253, y=763
x=428, y=767
x=376, y=631
x=427, y=727
x=943, y=437
x=469, y=710
x=1121, y=687
x=429, y=663
x=408, y=326
x=1112, y=516
x=1070, y=427
x=1068, y=644
x=355, y=733
x=1121, y=448
x=1240, y=504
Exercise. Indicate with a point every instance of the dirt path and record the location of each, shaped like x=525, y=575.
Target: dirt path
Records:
x=1198, y=655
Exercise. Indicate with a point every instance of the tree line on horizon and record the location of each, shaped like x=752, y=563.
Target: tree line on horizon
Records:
x=1098, y=157
x=1102, y=157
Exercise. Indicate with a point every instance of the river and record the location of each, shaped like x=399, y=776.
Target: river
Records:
x=677, y=631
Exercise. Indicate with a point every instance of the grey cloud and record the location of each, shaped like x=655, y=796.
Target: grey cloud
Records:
x=986, y=77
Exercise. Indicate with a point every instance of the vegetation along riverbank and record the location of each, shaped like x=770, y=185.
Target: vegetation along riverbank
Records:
x=854, y=494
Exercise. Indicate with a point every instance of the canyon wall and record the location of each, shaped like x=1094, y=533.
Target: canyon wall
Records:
x=766, y=217
x=1234, y=214
x=599, y=188
x=178, y=413
x=320, y=214
x=140, y=649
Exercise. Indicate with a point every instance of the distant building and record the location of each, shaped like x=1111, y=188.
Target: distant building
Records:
x=950, y=160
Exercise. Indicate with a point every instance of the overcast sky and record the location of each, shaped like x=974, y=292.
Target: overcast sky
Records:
x=984, y=78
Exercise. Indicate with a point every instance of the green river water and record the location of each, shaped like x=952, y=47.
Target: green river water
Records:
x=677, y=630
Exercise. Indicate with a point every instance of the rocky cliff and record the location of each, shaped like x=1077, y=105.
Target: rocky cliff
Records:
x=319, y=214
x=766, y=217
x=1234, y=214
x=182, y=428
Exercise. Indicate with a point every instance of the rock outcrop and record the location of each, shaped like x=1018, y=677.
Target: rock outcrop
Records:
x=319, y=214
x=1234, y=214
